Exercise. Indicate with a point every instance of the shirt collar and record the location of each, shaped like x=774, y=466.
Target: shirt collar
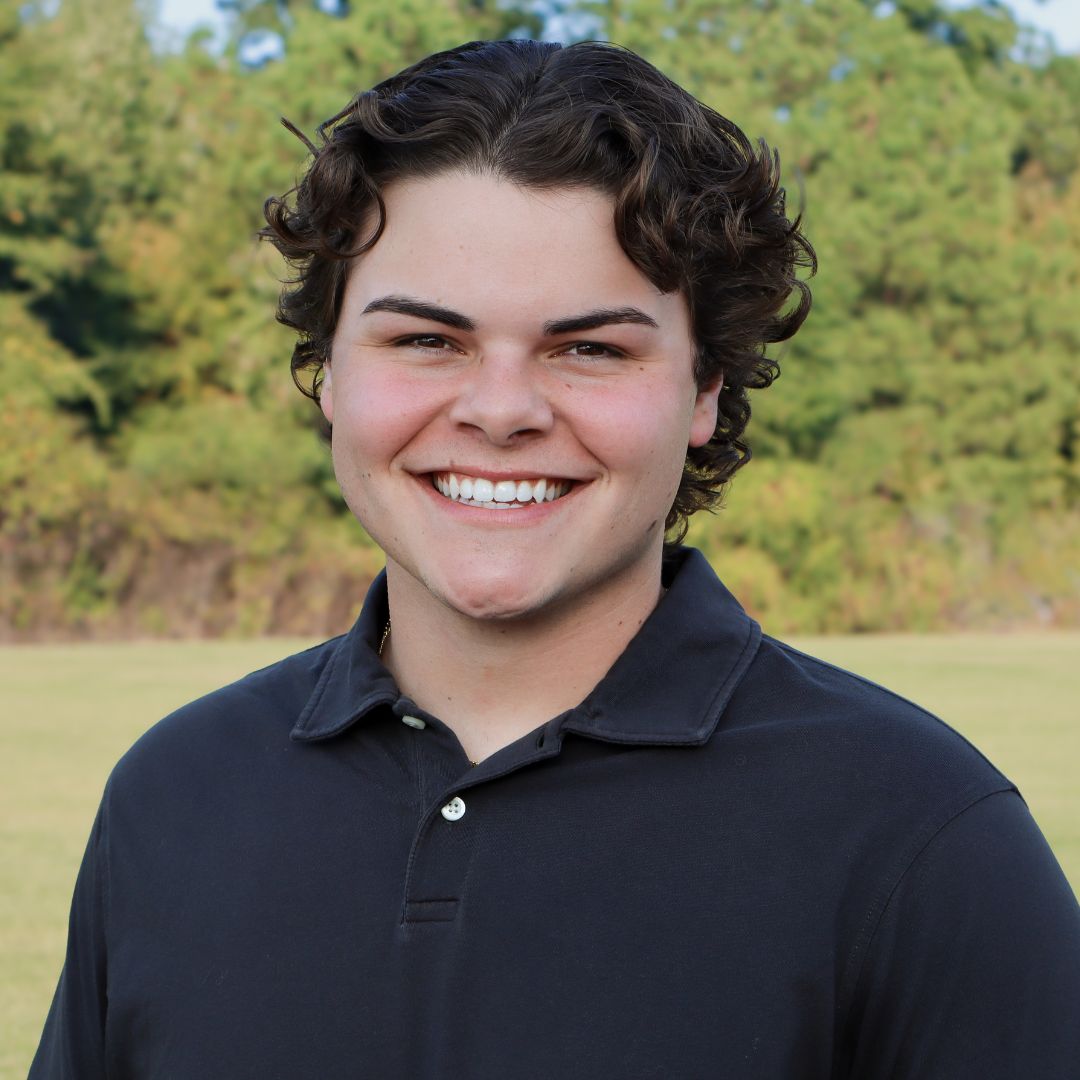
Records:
x=673, y=681
x=670, y=686
x=354, y=680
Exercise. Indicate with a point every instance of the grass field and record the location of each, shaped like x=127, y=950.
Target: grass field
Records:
x=68, y=712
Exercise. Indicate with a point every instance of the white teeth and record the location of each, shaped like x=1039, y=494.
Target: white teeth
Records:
x=501, y=494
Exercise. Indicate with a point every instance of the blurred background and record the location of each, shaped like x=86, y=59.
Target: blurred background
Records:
x=916, y=466
x=916, y=470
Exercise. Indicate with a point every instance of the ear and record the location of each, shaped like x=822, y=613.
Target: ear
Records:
x=326, y=393
x=703, y=418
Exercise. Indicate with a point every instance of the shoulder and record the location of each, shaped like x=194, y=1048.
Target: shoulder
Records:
x=880, y=789
x=256, y=711
x=973, y=955
x=860, y=774
x=877, y=740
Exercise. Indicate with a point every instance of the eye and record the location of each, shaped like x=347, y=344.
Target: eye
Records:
x=430, y=343
x=593, y=350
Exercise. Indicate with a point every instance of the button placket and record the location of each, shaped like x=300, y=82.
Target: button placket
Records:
x=439, y=865
x=444, y=844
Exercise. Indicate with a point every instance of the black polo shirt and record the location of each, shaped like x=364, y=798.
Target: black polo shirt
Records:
x=731, y=860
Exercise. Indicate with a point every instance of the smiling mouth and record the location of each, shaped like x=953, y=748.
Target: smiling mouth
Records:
x=499, y=494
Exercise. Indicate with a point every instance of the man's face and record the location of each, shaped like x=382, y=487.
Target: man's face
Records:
x=511, y=399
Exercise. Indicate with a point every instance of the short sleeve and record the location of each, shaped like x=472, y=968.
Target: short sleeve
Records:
x=974, y=969
x=73, y=1041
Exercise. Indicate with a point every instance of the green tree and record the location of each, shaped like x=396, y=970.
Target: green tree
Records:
x=916, y=465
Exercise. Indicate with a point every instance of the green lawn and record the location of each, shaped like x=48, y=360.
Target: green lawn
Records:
x=67, y=713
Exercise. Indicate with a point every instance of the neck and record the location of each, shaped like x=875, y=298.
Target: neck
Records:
x=493, y=681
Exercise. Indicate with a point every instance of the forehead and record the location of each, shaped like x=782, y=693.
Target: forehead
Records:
x=484, y=245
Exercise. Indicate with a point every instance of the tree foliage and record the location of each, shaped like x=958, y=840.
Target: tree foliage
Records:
x=916, y=466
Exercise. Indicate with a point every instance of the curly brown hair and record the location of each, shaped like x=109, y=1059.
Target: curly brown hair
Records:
x=698, y=207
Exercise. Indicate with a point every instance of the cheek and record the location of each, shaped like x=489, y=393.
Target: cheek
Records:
x=377, y=415
x=642, y=433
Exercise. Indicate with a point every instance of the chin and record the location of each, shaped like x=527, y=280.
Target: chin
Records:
x=495, y=600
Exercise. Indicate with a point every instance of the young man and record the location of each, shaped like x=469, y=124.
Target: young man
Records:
x=554, y=807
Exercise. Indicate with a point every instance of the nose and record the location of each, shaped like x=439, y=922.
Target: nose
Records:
x=503, y=399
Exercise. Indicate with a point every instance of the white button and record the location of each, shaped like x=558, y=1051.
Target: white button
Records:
x=414, y=721
x=454, y=809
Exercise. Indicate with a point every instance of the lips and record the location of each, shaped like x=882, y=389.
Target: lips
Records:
x=504, y=494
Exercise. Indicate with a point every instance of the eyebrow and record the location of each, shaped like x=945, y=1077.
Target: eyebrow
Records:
x=406, y=305
x=574, y=324
x=593, y=320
